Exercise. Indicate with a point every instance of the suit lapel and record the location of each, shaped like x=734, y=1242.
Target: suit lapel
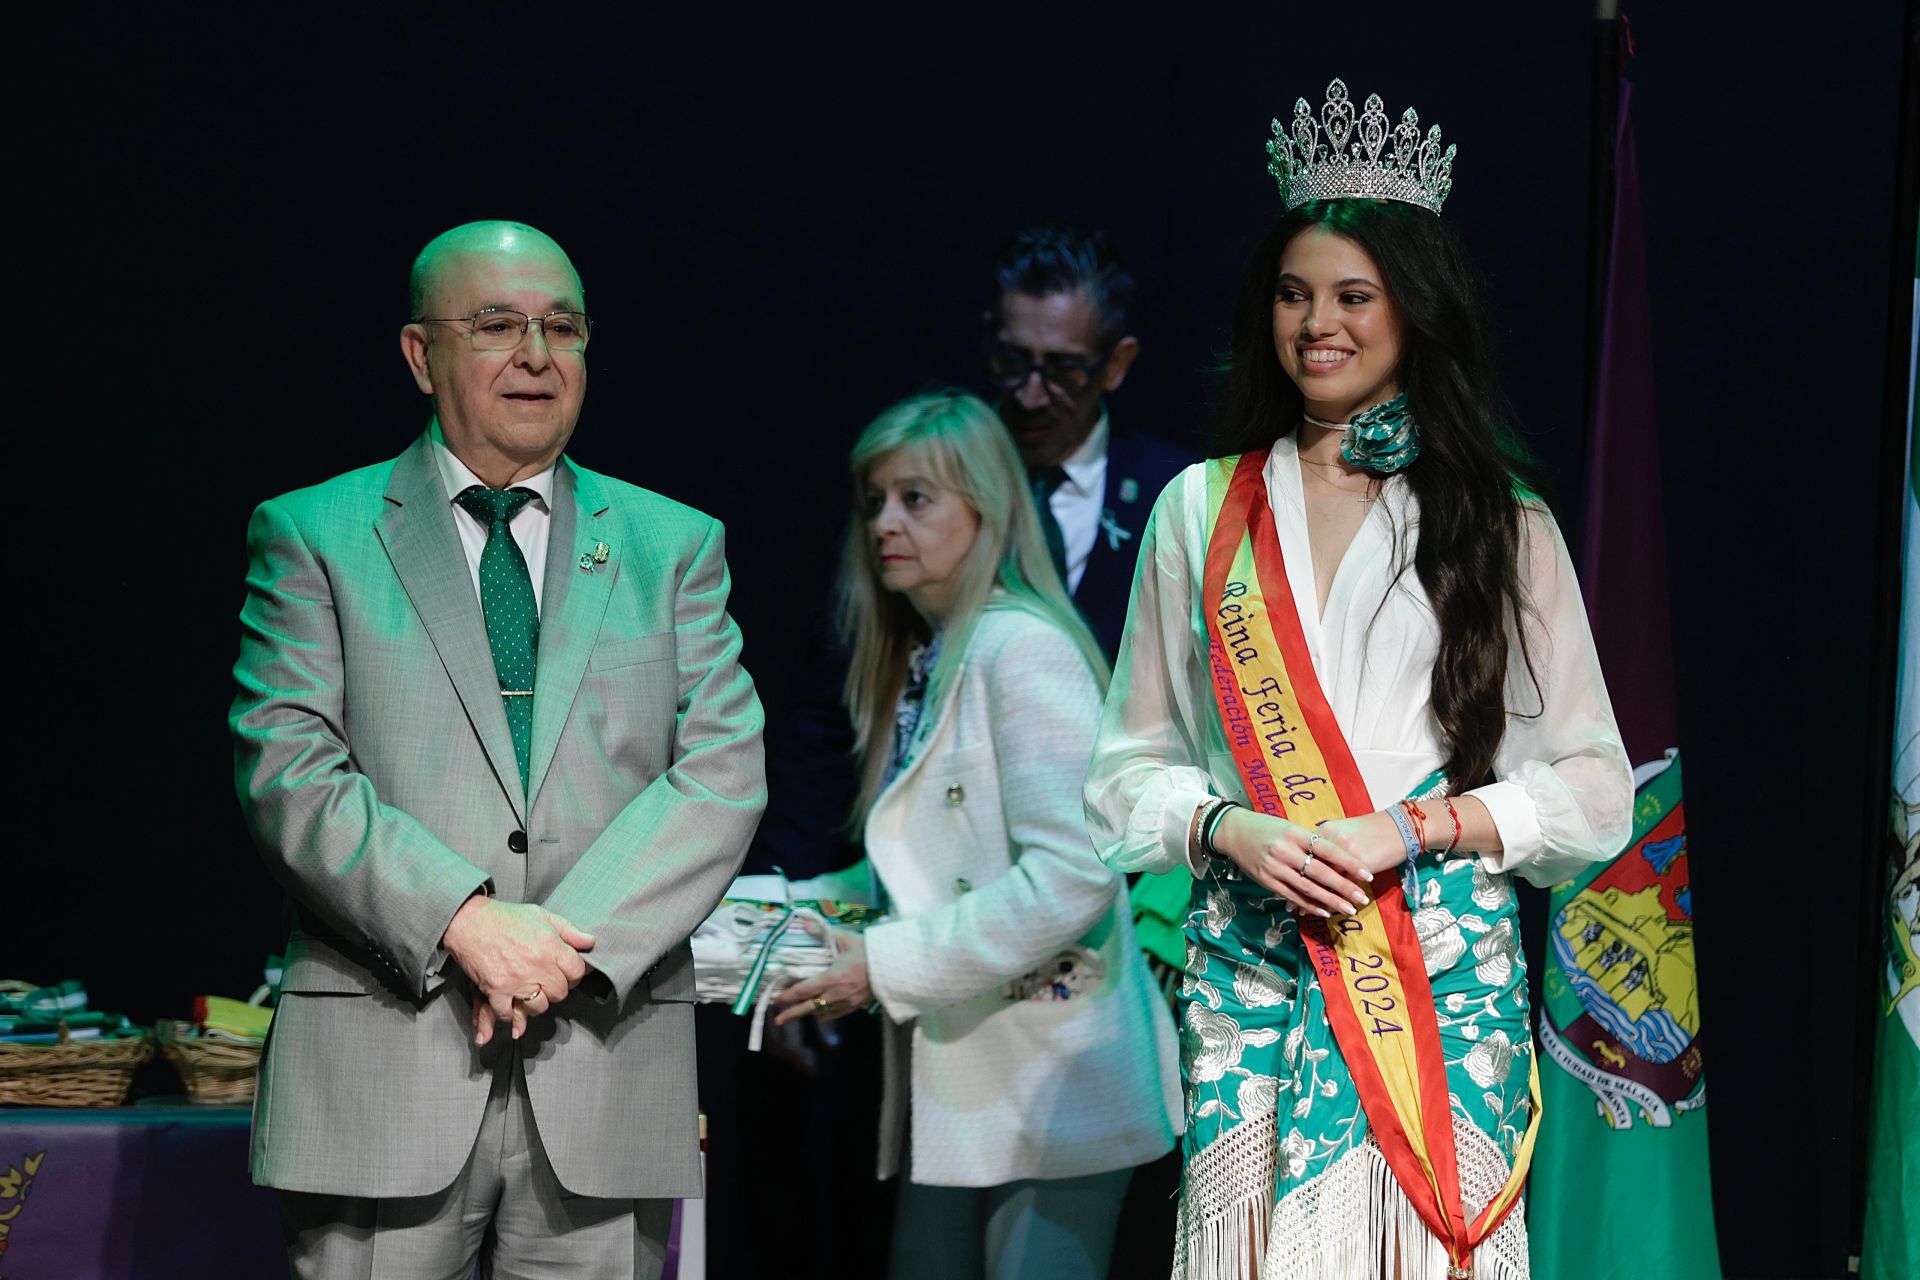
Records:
x=417, y=531
x=929, y=741
x=573, y=602
x=1120, y=508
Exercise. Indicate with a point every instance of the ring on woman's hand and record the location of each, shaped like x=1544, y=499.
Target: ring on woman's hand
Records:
x=821, y=1004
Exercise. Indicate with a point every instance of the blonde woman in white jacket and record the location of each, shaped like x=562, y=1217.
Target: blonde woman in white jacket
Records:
x=1029, y=1064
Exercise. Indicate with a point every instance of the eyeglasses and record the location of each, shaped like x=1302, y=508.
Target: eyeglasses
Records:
x=1009, y=367
x=503, y=329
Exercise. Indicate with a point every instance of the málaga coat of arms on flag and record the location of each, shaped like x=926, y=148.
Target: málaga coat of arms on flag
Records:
x=1622, y=1008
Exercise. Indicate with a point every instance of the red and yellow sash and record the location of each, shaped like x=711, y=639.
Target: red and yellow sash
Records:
x=1296, y=764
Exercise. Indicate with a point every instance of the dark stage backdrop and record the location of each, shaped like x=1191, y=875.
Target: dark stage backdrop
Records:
x=783, y=218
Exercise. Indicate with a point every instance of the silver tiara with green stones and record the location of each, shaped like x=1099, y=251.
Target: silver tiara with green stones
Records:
x=1340, y=158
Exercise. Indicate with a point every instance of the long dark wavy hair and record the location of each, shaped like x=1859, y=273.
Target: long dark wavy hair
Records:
x=1471, y=476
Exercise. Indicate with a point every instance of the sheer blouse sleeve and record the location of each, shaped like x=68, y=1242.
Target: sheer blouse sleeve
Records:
x=1564, y=791
x=1149, y=762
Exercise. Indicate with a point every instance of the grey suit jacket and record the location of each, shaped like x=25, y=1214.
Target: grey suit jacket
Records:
x=374, y=763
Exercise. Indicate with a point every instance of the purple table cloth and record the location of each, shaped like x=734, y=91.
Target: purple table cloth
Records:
x=112, y=1193
x=115, y=1193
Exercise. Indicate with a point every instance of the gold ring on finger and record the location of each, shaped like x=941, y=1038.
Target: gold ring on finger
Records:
x=821, y=1004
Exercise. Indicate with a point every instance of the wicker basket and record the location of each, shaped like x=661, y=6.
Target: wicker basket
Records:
x=216, y=1072
x=73, y=1073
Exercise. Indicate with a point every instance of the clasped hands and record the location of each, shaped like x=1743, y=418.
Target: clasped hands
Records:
x=522, y=957
x=1346, y=855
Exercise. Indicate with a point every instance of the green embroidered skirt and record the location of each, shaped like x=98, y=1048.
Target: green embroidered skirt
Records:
x=1281, y=1179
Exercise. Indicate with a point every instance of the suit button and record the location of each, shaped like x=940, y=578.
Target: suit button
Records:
x=517, y=842
x=956, y=796
x=963, y=885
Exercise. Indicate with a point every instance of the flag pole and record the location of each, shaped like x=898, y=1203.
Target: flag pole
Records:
x=1602, y=116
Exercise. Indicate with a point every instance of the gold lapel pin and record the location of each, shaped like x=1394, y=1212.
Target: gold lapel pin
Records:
x=599, y=554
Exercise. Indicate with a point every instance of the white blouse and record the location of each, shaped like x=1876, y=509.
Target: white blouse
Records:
x=1563, y=794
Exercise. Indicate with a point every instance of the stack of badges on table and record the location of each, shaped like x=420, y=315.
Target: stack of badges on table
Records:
x=755, y=944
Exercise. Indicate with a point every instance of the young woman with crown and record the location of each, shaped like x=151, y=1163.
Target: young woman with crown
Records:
x=1356, y=696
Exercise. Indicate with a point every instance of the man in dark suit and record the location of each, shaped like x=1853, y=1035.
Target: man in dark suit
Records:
x=1058, y=344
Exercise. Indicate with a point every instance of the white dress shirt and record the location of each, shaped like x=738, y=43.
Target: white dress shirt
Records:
x=1563, y=794
x=529, y=526
x=1077, y=503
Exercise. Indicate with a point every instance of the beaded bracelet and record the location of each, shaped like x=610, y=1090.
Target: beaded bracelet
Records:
x=1405, y=823
x=1212, y=824
x=1200, y=812
x=1197, y=829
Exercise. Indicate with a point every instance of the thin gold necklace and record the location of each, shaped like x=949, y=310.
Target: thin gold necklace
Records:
x=1369, y=495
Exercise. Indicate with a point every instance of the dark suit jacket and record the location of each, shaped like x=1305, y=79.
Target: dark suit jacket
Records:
x=810, y=774
x=1138, y=468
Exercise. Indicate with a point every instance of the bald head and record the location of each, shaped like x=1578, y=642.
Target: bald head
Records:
x=493, y=239
x=506, y=411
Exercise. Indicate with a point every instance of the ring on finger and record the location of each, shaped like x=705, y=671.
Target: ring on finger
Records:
x=821, y=1004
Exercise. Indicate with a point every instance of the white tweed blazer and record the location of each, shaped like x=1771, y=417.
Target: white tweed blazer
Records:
x=982, y=849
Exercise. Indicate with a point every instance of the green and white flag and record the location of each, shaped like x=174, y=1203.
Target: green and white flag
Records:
x=1890, y=1249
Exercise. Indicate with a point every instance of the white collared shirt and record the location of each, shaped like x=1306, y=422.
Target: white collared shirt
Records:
x=1076, y=504
x=529, y=527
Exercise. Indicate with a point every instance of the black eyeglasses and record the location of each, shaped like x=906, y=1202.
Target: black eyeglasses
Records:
x=1009, y=367
x=502, y=329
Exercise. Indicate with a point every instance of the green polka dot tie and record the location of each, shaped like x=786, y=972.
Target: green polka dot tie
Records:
x=513, y=617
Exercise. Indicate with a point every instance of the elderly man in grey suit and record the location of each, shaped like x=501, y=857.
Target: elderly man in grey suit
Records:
x=493, y=736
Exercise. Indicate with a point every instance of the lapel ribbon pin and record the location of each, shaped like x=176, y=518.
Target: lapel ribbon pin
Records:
x=1115, y=534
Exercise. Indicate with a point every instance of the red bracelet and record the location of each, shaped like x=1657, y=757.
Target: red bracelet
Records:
x=1455, y=815
x=1419, y=818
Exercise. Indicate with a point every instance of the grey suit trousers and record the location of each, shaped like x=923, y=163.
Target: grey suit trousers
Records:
x=506, y=1211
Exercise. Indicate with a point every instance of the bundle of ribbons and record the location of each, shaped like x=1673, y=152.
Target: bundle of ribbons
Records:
x=51, y=1014
x=756, y=943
